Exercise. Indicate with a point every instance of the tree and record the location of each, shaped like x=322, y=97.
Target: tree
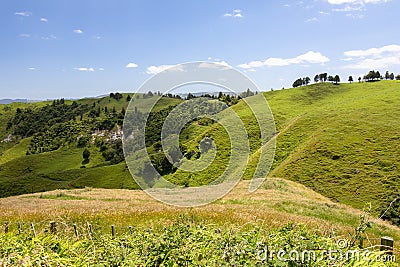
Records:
x=331, y=78
x=350, y=79
x=307, y=80
x=378, y=75
x=324, y=76
x=298, y=82
x=86, y=156
x=372, y=75
x=391, y=76
x=316, y=78
x=336, y=79
x=387, y=75
x=398, y=77
x=128, y=98
x=359, y=79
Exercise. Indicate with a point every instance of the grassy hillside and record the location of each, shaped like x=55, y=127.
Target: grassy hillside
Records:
x=23, y=170
x=340, y=140
x=281, y=214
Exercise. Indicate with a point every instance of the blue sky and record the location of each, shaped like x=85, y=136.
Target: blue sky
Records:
x=69, y=48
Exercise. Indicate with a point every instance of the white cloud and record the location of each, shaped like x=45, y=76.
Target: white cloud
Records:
x=158, y=69
x=376, y=1
x=78, y=31
x=376, y=52
x=101, y=69
x=31, y=68
x=23, y=14
x=24, y=35
x=50, y=37
x=309, y=57
x=341, y=2
x=323, y=13
x=44, y=20
x=373, y=58
x=236, y=13
x=355, y=16
x=351, y=6
x=372, y=63
x=85, y=69
x=215, y=65
x=349, y=9
x=131, y=65
x=286, y=5
x=312, y=19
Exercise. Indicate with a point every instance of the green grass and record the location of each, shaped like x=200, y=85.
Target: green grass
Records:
x=17, y=151
x=281, y=215
x=344, y=143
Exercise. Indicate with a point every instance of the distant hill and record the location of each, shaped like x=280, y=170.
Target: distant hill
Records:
x=9, y=101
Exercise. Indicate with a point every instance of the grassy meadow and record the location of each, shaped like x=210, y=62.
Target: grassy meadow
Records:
x=282, y=215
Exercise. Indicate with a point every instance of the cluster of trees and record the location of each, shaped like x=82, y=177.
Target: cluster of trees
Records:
x=301, y=81
x=376, y=76
x=117, y=96
x=228, y=99
x=323, y=77
x=112, y=151
x=372, y=76
x=169, y=95
x=28, y=121
x=56, y=136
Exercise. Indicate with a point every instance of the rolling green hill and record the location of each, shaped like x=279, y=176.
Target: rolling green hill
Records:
x=342, y=141
x=56, y=160
x=339, y=140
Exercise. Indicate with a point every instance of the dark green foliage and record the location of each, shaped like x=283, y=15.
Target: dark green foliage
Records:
x=350, y=79
x=323, y=77
x=83, y=141
x=86, y=154
x=301, y=81
x=29, y=121
x=154, y=125
x=117, y=96
x=114, y=152
x=56, y=136
x=372, y=76
x=336, y=79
